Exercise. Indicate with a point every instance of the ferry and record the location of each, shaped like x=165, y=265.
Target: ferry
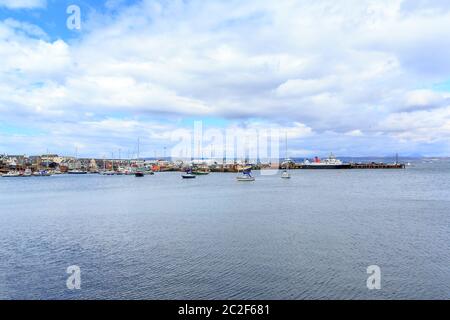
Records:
x=330, y=163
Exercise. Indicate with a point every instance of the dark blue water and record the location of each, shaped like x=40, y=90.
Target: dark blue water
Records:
x=159, y=237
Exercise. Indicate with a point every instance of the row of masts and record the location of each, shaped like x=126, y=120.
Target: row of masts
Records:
x=138, y=152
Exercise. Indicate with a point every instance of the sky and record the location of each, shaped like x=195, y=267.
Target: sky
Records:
x=353, y=77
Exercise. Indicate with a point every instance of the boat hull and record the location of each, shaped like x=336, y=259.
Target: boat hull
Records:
x=200, y=173
x=324, y=166
x=241, y=179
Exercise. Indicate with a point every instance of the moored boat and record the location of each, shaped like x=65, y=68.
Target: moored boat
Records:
x=330, y=163
x=188, y=175
x=76, y=172
x=107, y=173
x=246, y=175
x=200, y=171
x=11, y=174
x=286, y=163
x=285, y=175
x=42, y=173
x=139, y=174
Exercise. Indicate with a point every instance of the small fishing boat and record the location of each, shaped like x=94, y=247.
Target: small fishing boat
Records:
x=42, y=173
x=27, y=173
x=201, y=171
x=11, y=174
x=139, y=174
x=108, y=173
x=188, y=175
x=77, y=172
x=246, y=175
x=285, y=175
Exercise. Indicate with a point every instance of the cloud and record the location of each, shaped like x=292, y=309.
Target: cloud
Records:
x=355, y=133
x=419, y=126
x=23, y=4
x=429, y=7
x=356, y=68
x=424, y=99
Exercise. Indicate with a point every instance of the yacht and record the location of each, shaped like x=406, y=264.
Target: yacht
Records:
x=188, y=175
x=285, y=175
x=287, y=162
x=246, y=175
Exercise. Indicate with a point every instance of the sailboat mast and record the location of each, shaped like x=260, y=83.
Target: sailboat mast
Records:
x=286, y=150
x=138, y=149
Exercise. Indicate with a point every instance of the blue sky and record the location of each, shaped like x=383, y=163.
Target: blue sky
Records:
x=354, y=77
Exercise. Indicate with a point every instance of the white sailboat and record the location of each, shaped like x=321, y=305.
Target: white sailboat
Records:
x=76, y=171
x=246, y=175
x=286, y=174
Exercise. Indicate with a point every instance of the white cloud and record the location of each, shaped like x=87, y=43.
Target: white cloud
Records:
x=23, y=4
x=327, y=65
x=424, y=99
x=355, y=133
x=419, y=126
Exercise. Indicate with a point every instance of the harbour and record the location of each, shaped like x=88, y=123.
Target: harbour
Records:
x=224, y=158
x=47, y=165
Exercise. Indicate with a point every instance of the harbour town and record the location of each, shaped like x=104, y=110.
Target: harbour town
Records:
x=53, y=164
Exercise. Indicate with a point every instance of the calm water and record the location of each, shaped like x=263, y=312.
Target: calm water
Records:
x=160, y=237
